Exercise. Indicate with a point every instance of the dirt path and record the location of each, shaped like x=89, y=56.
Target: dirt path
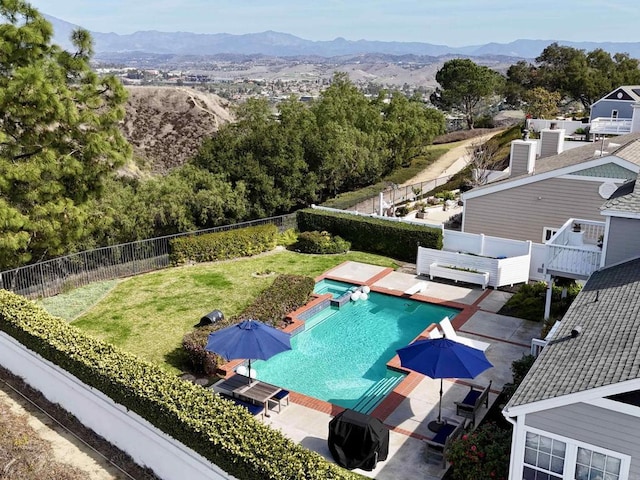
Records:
x=451, y=162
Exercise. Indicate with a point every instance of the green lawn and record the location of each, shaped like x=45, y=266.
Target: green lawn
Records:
x=148, y=315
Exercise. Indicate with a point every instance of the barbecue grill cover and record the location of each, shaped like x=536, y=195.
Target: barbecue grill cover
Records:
x=357, y=440
x=211, y=317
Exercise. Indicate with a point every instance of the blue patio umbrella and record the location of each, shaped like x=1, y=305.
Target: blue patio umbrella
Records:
x=250, y=339
x=443, y=358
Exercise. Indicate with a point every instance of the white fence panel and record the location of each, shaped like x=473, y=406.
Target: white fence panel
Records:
x=538, y=259
x=146, y=444
x=480, y=244
x=570, y=126
x=505, y=271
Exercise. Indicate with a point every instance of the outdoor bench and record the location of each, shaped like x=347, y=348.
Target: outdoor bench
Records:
x=251, y=407
x=438, y=446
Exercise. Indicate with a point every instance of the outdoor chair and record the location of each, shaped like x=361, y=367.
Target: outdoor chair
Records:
x=468, y=407
x=280, y=397
x=438, y=447
x=445, y=328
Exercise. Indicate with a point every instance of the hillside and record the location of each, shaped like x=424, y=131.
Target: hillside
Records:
x=166, y=125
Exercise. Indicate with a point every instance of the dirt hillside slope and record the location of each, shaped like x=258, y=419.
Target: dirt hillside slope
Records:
x=166, y=125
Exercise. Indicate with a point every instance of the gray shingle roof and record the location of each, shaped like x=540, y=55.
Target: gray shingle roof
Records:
x=629, y=150
x=625, y=199
x=608, y=349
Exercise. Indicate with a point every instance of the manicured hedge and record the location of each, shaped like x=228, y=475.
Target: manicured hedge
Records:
x=394, y=239
x=321, y=243
x=237, y=243
x=286, y=294
x=217, y=429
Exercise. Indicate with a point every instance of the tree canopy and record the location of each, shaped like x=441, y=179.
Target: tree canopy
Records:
x=463, y=86
x=574, y=74
x=297, y=155
x=59, y=136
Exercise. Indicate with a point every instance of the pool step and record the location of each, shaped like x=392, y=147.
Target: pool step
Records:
x=376, y=393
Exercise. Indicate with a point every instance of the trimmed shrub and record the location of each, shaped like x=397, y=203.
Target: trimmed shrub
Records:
x=528, y=302
x=321, y=242
x=483, y=453
x=368, y=234
x=286, y=294
x=237, y=243
x=222, y=432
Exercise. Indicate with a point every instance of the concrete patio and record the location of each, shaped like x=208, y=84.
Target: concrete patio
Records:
x=417, y=403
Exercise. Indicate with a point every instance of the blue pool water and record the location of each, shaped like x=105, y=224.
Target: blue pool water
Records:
x=337, y=289
x=341, y=355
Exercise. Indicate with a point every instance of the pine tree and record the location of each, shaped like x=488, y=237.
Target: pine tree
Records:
x=59, y=136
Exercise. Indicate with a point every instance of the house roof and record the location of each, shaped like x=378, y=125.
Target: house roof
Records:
x=629, y=93
x=606, y=352
x=624, y=147
x=625, y=199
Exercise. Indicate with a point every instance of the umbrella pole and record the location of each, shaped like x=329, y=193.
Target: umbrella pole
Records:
x=249, y=372
x=440, y=404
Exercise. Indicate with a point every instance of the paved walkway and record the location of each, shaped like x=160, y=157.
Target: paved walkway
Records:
x=414, y=403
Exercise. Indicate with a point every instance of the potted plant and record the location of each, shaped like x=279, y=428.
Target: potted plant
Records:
x=422, y=210
x=600, y=240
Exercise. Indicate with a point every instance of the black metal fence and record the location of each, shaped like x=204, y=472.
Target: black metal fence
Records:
x=45, y=279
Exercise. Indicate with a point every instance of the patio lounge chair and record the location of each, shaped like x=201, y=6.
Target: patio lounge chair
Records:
x=445, y=328
x=438, y=446
x=468, y=407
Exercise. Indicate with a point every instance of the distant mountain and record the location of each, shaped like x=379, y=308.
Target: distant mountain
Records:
x=285, y=45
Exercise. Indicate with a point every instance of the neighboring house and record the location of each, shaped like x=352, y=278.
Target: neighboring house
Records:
x=541, y=194
x=614, y=113
x=622, y=224
x=576, y=415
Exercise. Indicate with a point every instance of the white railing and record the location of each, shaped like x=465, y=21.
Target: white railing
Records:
x=614, y=126
x=575, y=253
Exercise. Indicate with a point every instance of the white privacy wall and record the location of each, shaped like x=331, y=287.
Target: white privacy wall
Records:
x=146, y=444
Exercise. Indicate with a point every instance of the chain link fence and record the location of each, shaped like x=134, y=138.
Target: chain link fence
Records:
x=48, y=278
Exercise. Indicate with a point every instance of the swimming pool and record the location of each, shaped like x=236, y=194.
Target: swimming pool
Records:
x=335, y=288
x=341, y=355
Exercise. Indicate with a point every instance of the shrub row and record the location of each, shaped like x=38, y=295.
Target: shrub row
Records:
x=217, y=429
x=394, y=239
x=321, y=242
x=286, y=294
x=210, y=247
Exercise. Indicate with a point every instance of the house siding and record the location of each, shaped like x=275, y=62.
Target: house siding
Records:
x=522, y=212
x=623, y=241
x=595, y=426
x=603, y=108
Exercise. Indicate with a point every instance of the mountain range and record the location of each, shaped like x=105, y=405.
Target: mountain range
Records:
x=285, y=45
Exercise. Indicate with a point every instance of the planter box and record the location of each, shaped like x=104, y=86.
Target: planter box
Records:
x=479, y=278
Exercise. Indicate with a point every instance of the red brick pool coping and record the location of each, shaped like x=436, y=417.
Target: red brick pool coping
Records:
x=411, y=380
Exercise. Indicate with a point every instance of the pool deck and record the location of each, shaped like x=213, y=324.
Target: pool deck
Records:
x=414, y=402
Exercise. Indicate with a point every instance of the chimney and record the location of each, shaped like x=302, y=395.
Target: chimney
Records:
x=635, y=119
x=551, y=142
x=522, y=160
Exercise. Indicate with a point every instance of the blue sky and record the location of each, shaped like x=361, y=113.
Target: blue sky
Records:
x=448, y=22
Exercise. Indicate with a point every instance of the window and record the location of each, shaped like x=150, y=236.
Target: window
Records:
x=614, y=113
x=592, y=465
x=547, y=233
x=543, y=458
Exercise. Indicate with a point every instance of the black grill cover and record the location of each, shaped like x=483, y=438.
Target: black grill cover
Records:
x=211, y=317
x=357, y=440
